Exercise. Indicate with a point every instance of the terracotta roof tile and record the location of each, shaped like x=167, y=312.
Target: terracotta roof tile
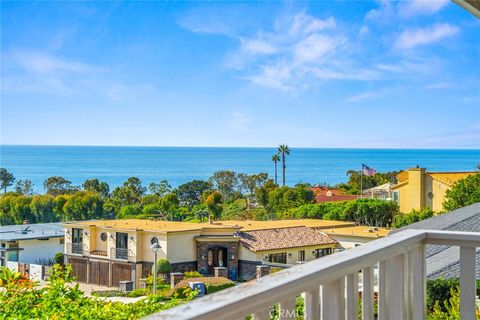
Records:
x=283, y=238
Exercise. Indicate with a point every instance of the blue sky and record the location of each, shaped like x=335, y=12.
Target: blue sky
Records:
x=315, y=74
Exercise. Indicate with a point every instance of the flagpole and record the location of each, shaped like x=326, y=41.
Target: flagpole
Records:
x=361, y=182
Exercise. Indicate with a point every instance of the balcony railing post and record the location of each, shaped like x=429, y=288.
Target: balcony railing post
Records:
x=467, y=282
x=286, y=309
x=312, y=304
x=262, y=314
x=395, y=287
x=417, y=283
x=367, y=293
x=333, y=299
x=382, y=290
x=352, y=296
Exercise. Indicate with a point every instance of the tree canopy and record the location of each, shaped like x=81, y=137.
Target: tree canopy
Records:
x=463, y=193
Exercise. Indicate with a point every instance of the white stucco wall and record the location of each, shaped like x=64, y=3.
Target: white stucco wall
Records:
x=349, y=242
x=34, y=250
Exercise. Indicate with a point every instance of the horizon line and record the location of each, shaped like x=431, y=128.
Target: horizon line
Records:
x=230, y=147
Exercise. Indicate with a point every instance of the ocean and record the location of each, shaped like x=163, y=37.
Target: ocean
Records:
x=178, y=165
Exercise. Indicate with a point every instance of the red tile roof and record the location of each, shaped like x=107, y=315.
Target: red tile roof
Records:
x=283, y=238
x=329, y=195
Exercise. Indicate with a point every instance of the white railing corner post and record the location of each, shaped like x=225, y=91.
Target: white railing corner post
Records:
x=367, y=293
x=312, y=304
x=352, y=296
x=467, y=282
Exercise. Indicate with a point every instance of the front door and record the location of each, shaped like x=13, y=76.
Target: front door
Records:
x=217, y=257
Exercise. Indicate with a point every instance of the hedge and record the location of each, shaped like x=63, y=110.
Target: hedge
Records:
x=212, y=284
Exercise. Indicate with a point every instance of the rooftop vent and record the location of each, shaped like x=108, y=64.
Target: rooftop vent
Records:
x=25, y=230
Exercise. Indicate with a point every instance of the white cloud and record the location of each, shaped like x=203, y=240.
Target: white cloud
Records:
x=303, y=23
x=363, y=31
x=420, y=7
x=389, y=11
x=298, y=51
x=314, y=47
x=416, y=37
x=43, y=63
x=241, y=120
x=257, y=46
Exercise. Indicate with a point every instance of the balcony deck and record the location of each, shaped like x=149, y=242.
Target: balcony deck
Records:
x=329, y=286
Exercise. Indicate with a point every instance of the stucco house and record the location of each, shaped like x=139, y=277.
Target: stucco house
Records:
x=351, y=237
x=107, y=252
x=30, y=243
x=418, y=189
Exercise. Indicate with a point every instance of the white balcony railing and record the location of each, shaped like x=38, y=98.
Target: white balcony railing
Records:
x=329, y=286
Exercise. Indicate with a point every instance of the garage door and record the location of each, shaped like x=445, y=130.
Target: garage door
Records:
x=99, y=273
x=121, y=272
x=79, y=268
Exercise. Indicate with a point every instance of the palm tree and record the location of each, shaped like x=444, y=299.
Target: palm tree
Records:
x=275, y=159
x=283, y=150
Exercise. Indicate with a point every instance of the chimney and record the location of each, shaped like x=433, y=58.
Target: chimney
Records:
x=416, y=182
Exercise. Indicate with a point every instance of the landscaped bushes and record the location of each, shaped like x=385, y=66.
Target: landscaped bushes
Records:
x=370, y=212
x=212, y=284
x=440, y=291
x=62, y=300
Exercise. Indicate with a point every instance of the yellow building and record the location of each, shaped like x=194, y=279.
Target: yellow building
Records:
x=418, y=189
x=107, y=252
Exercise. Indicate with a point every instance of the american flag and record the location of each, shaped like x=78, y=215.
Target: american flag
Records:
x=367, y=171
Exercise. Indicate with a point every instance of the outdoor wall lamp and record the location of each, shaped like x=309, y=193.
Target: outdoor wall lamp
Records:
x=203, y=257
x=232, y=257
x=289, y=254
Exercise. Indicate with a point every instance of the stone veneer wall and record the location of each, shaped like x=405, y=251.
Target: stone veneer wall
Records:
x=202, y=252
x=184, y=266
x=247, y=269
x=176, y=267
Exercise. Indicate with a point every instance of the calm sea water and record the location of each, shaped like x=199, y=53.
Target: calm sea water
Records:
x=181, y=164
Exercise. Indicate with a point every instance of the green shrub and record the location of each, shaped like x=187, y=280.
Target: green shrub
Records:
x=163, y=266
x=59, y=258
x=212, y=284
x=138, y=293
x=192, y=274
x=108, y=293
x=61, y=299
x=440, y=289
x=413, y=216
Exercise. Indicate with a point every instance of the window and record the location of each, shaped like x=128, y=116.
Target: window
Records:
x=322, y=252
x=278, y=257
x=122, y=240
x=77, y=235
x=301, y=255
x=13, y=256
x=103, y=236
x=395, y=196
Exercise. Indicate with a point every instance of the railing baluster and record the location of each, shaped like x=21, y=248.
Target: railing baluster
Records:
x=262, y=314
x=367, y=293
x=333, y=300
x=467, y=282
x=382, y=290
x=286, y=309
x=416, y=293
x=352, y=296
x=395, y=287
x=312, y=304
